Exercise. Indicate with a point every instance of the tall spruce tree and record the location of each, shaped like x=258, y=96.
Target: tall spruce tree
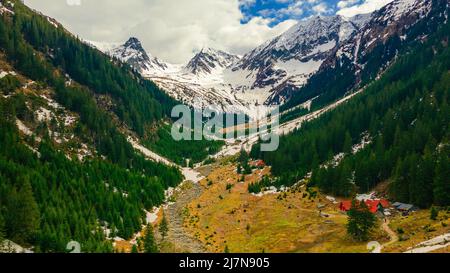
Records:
x=441, y=181
x=360, y=221
x=134, y=249
x=149, y=240
x=163, y=227
x=2, y=230
x=347, y=143
x=23, y=214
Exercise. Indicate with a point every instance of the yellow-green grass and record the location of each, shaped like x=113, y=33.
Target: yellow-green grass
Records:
x=417, y=228
x=272, y=223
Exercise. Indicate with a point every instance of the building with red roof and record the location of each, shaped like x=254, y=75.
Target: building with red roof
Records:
x=373, y=205
x=345, y=205
x=258, y=164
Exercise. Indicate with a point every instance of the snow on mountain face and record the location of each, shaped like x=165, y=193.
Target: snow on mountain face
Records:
x=272, y=72
x=290, y=59
x=200, y=82
x=216, y=77
x=300, y=41
x=134, y=54
x=104, y=47
x=361, y=20
x=399, y=8
x=392, y=19
x=4, y=9
x=208, y=60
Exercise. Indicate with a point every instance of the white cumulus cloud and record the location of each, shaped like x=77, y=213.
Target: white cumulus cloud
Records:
x=348, y=8
x=170, y=29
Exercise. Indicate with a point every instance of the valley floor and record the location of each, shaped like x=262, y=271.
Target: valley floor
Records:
x=272, y=222
x=213, y=211
x=210, y=216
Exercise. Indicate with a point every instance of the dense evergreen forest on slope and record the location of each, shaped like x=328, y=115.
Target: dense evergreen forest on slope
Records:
x=137, y=102
x=46, y=199
x=407, y=116
x=178, y=151
x=76, y=98
x=49, y=200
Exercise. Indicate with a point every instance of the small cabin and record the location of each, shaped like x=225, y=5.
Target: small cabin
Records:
x=374, y=205
x=404, y=207
x=345, y=205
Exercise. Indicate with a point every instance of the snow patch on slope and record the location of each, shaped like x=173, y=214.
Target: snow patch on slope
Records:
x=4, y=9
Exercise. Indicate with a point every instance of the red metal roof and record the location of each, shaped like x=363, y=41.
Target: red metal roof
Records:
x=372, y=204
x=345, y=205
x=258, y=163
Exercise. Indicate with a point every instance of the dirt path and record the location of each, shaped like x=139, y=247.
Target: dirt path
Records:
x=392, y=234
x=177, y=235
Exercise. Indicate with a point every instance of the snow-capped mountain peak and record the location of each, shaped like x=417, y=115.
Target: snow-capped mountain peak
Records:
x=314, y=30
x=132, y=49
x=134, y=44
x=399, y=8
x=289, y=60
x=302, y=39
x=392, y=19
x=271, y=73
x=133, y=53
x=209, y=59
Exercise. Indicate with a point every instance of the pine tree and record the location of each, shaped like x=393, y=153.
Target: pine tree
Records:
x=344, y=186
x=421, y=184
x=23, y=214
x=163, y=227
x=243, y=156
x=434, y=213
x=348, y=144
x=134, y=249
x=2, y=230
x=441, y=181
x=400, y=187
x=149, y=240
x=247, y=168
x=360, y=221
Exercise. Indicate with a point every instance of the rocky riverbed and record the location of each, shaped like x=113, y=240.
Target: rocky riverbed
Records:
x=178, y=240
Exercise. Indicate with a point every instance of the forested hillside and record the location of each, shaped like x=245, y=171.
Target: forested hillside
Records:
x=179, y=152
x=137, y=102
x=49, y=200
x=47, y=196
x=406, y=117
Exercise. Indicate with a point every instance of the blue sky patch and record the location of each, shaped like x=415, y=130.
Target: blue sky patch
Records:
x=281, y=10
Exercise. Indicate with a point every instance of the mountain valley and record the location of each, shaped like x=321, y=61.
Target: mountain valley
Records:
x=88, y=155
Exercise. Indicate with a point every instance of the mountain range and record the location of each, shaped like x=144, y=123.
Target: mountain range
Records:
x=87, y=153
x=274, y=72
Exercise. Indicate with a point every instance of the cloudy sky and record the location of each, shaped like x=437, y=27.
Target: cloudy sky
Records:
x=174, y=30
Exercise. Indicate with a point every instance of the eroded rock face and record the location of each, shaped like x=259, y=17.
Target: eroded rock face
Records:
x=207, y=60
x=135, y=55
